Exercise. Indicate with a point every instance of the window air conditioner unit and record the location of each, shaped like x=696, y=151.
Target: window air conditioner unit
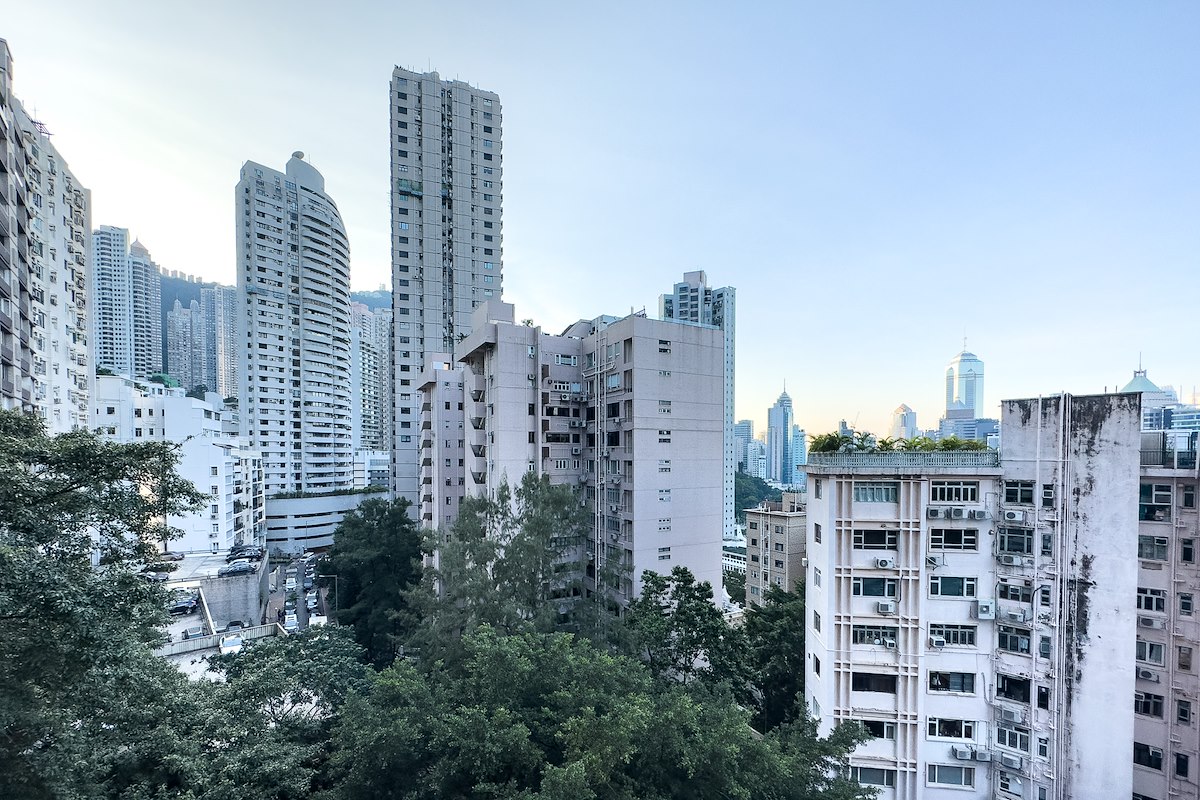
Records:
x=958, y=513
x=1147, y=675
x=985, y=609
x=937, y=642
x=604, y=453
x=1012, y=715
x=933, y=562
x=983, y=755
x=576, y=451
x=1009, y=561
x=1014, y=516
x=1010, y=762
x=614, y=508
x=885, y=607
x=566, y=397
x=1151, y=622
x=933, y=513
x=1014, y=616
x=962, y=752
x=583, y=478
x=885, y=563
x=575, y=423
x=978, y=513
x=1156, y=752
x=890, y=644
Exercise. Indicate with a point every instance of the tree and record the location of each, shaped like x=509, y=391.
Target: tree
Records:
x=74, y=638
x=774, y=636
x=735, y=585
x=679, y=634
x=376, y=558
x=198, y=391
x=549, y=715
x=749, y=491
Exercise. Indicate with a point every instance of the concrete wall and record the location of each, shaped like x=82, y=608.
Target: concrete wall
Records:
x=237, y=597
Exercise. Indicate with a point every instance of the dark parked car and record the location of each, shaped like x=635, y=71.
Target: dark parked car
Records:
x=254, y=554
x=185, y=605
x=235, y=569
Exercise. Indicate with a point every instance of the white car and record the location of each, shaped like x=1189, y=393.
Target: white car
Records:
x=231, y=644
x=291, y=624
x=310, y=600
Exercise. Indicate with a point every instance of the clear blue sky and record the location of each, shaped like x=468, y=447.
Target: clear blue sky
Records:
x=876, y=179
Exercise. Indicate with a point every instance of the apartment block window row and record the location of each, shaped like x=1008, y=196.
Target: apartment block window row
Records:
x=953, y=539
x=954, y=492
x=876, y=492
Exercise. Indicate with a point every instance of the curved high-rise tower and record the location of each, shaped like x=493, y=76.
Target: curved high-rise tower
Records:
x=964, y=384
x=294, y=284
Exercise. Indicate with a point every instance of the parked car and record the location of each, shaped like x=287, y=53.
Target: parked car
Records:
x=308, y=582
x=194, y=632
x=249, y=553
x=231, y=644
x=310, y=601
x=171, y=556
x=291, y=583
x=244, y=568
x=156, y=577
x=184, y=605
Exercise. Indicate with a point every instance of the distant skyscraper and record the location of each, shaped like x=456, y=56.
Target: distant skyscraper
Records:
x=743, y=434
x=186, y=353
x=904, y=423
x=128, y=301
x=693, y=301
x=964, y=384
x=779, y=441
x=370, y=352
x=447, y=235
x=294, y=402
x=222, y=347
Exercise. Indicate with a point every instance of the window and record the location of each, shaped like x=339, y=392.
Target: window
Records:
x=1016, y=738
x=1014, y=640
x=1187, y=495
x=1187, y=551
x=876, y=492
x=948, y=539
x=664, y=495
x=955, y=635
x=1015, y=540
x=1010, y=591
x=1044, y=746
x=816, y=489
x=875, y=540
x=873, y=682
x=950, y=776
x=1183, y=657
x=1152, y=547
x=954, y=491
x=1183, y=712
x=664, y=406
x=816, y=622
x=952, y=682
x=1181, y=765
x=1154, y=502
x=946, y=586
x=817, y=532
x=1187, y=604
x=1149, y=704
x=951, y=728
x=1013, y=688
x=664, y=437
x=1147, y=756
x=878, y=728
x=1150, y=652
x=1019, y=492
x=872, y=634
x=1151, y=599
x=873, y=776
x=873, y=587
x=816, y=666
x=1047, y=495
x=816, y=577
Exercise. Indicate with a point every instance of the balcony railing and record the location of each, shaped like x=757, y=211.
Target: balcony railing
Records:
x=1169, y=459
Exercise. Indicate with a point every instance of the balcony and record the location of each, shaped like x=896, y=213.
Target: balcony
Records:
x=1169, y=459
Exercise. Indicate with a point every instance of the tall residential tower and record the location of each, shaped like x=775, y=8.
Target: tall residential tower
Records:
x=446, y=233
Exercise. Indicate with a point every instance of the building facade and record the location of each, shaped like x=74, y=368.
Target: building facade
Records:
x=295, y=403
x=127, y=292
x=447, y=233
x=187, y=337
x=629, y=410
x=973, y=611
x=781, y=466
x=904, y=423
x=370, y=377
x=693, y=301
x=218, y=463
x=222, y=347
x=775, y=542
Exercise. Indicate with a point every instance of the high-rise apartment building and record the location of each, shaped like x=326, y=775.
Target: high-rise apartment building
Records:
x=127, y=291
x=45, y=360
x=294, y=401
x=222, y=346
x=629, y=410
x=370, y=377
x=964, y=384
x=743, y=434
x=447, y=233
x=974, y=610
x=187, y=337
x=781, y=464
x=775, y=538
x=693, y=301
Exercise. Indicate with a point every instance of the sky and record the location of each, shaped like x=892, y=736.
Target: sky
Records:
x=878, y=180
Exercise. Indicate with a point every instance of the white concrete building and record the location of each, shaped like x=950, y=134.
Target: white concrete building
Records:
x=447, y=232
x=294, y=401
x=127, y=292
x=974, y=612
x=631, y=410
x=219, y=464
x=370, y=377
x=187, y=337
x=222, y=347
x=693, y=301
x=904, y=423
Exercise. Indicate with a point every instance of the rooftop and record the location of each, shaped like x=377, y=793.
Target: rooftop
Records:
x=912, y=460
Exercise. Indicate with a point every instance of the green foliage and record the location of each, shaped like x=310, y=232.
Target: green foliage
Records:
x=677, y=631
x=376, y=557
x=735, y=585
x=545, y=715
x=198, y=391
x=73, y=638
x=866, y=443
x=774, y=636
x=749, y=491
x=830, y=443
